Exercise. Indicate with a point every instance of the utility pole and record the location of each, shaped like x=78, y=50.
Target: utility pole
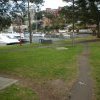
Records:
x=30, y=27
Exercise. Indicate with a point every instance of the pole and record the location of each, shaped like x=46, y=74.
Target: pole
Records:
x=73, y=41
x=29, y=21
x=20, y=32
x=36, y=22
x=37, y=9
x=19, y=28
x=98, y=26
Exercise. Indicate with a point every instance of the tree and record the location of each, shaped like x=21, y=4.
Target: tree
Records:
x=6, y=9
x=88, y=12
x=77, y=11
x=82, y=11
x=54, y=21
x=73, y=10
x=5, y=22
x=66, y=13
x=95, y=14
x=37, y=2
x=38, y=15
x=5, y=19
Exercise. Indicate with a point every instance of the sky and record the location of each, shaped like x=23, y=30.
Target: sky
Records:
x=54, y=4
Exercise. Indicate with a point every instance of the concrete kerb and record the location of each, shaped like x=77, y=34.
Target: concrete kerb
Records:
x=5, y=82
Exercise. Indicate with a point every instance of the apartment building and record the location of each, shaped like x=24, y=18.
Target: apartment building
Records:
x=55, y=12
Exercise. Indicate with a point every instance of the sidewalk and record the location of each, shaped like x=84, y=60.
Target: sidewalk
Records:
x=5, y=82
x=83, y=88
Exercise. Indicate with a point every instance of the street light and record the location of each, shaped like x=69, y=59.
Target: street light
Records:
x=30, y=27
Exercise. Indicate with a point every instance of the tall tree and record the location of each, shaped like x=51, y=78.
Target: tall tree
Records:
x=66, y=12
x=5, y=19
x=77, y=11
x=95, y=14
x=82, y=11
x=88, y=12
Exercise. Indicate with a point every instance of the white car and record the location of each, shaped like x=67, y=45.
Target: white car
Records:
x=19, y=36
x=38, y=35
x=4, y=39
x=66, y=36
x=15, y=35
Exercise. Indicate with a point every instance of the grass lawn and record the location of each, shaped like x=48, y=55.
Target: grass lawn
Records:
x=95, y=63
x=16, y=92
x=37, y=64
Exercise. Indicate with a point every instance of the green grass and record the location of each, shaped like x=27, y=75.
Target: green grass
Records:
x=38, y=63
x=16, y=92
x=77, y=39
x=95, y=63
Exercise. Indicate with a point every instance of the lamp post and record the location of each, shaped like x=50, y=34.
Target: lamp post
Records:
x=30, y=27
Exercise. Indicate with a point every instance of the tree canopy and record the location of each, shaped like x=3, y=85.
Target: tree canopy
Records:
x=9, y=11
x=87, y=12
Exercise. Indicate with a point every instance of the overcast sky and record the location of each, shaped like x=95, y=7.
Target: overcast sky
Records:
x=54, y=4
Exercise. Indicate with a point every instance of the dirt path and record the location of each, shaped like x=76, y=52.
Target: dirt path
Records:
x=82, y=89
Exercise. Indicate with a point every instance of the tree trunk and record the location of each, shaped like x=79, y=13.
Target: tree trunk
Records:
x=98, y=30
x=98, y=26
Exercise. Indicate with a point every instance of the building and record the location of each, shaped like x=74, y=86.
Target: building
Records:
x=55, y=12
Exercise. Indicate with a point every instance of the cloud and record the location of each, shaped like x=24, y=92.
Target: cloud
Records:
x=53, y=4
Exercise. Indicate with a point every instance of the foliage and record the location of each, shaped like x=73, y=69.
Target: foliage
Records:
x=56, y=21
x=5, y=22
x=87, y=12
x=5, y=19
x=66, y=13
x=37, y=25
x=37, y=1
x=82, y=11
x=15, y=10
x=38, y=15
x=95, y=14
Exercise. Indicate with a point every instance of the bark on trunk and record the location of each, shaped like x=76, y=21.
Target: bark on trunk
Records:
x=98, y=28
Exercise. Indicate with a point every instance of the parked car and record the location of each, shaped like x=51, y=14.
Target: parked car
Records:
x=19, y=36
x=38, y=35
x=66, y=36
x=4, y=39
